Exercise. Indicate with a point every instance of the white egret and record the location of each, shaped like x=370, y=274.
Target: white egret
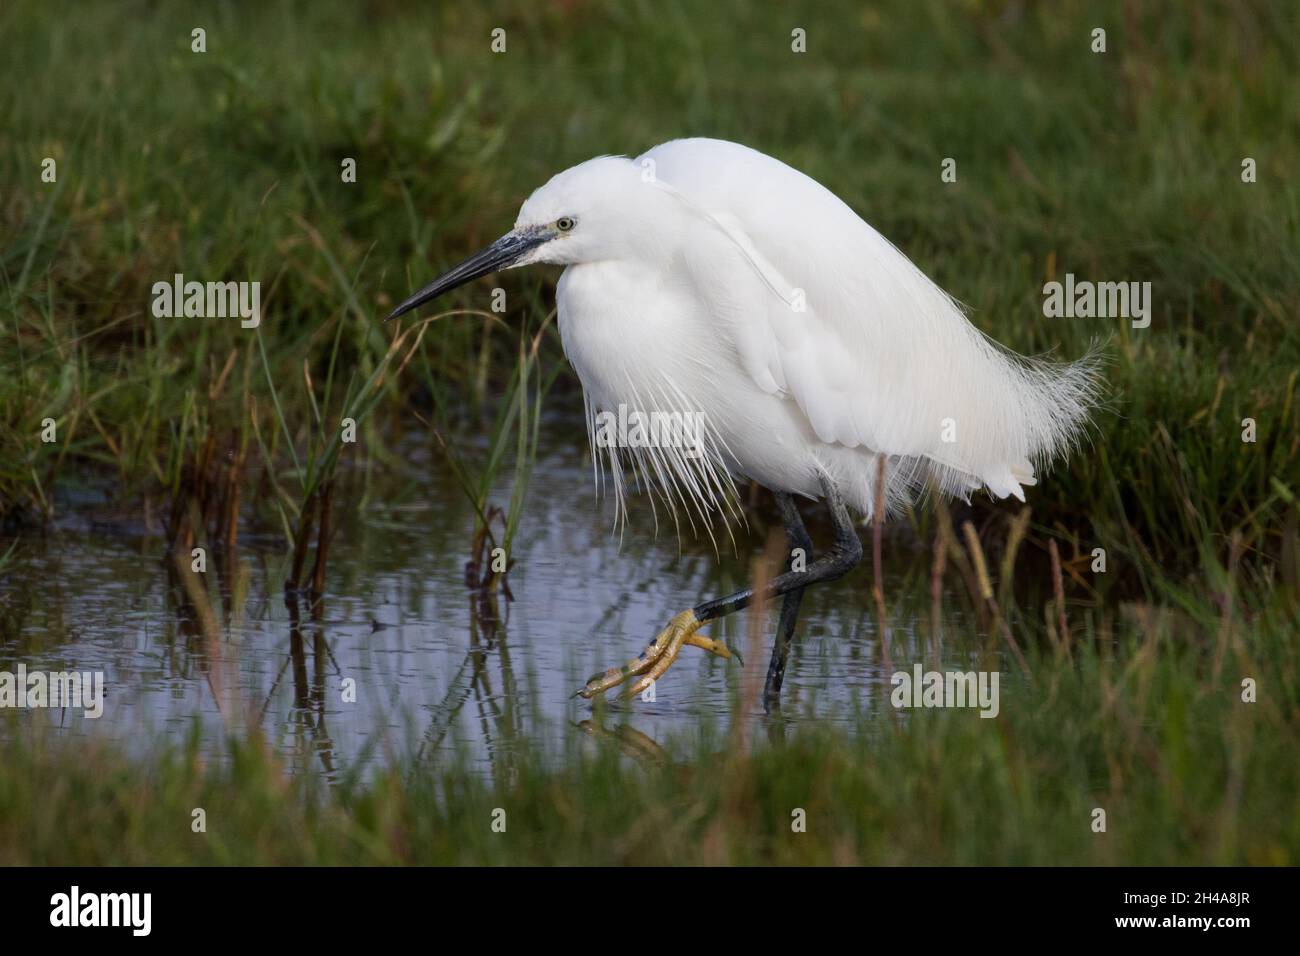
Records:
x=708, y=281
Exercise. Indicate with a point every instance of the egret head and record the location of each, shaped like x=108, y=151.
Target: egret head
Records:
x=601, y=209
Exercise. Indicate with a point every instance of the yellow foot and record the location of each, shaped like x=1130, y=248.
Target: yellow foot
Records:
x=656, y=658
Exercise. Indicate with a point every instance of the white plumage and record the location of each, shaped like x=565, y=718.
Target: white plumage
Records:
x=707, y=277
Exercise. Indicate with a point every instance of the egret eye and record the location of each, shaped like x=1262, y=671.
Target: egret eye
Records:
x=565, y=223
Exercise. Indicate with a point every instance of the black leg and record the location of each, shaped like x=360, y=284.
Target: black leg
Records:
x=844, y=553
x=798, y=537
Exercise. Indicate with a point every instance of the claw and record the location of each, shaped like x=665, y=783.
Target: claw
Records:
x=603, y=681
x=708, y=644
x=658, y=656
x=599, y=683
x=660, y=666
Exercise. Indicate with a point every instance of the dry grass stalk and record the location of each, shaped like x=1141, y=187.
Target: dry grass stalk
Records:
x=877, y=561
x=1058, y=590
x=986, y=594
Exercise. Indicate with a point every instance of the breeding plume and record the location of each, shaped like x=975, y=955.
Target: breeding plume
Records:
x=707, y=283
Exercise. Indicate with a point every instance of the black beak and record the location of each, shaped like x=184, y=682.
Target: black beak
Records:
x=502, y=254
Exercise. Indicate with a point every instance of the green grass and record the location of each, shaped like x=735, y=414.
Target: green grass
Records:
x=1121, y=167
x=1140, y=723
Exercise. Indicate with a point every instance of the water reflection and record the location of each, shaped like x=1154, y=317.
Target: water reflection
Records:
x=397, y=653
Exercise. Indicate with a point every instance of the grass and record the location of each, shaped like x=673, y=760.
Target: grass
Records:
x=1138, y=723
x=1123, y=166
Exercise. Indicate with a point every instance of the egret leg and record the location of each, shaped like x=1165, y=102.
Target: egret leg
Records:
x=797, y=536
x=844, y=553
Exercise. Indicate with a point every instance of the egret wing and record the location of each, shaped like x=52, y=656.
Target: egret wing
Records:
x=875, y=354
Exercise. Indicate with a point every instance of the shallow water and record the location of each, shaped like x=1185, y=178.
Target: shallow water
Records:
x=92, y=593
